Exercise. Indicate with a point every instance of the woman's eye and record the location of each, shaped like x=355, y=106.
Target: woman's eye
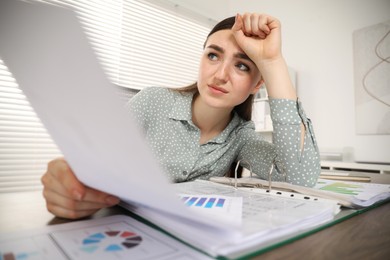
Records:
x=242, y=67
x=212, y=56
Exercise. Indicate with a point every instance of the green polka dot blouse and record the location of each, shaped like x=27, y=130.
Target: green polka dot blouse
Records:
x=165, y=118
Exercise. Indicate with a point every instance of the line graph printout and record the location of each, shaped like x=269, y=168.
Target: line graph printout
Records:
x=358, y=190
x=344, y=188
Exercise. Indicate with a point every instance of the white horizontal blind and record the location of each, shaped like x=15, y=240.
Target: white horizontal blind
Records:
x=158, y=48
x=138, y=45
x=25, y=146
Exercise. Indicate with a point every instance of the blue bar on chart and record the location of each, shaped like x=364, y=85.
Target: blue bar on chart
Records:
x=201, y=202
x=184, y=199
x=191, y=201
x=204, y=201
x=220, y=203
x=210, y=203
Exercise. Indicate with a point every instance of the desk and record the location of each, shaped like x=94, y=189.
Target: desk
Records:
x=365, y=236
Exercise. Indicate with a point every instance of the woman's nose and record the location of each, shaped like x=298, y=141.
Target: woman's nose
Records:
x=222, y=73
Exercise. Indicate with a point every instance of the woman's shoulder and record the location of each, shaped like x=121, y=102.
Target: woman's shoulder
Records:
x=156, y=99
x=150, y=102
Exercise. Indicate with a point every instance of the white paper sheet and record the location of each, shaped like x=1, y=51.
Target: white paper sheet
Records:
x=49, y=55
x=115, y=237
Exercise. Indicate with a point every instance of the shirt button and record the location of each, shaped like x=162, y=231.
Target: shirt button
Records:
x=185, y=172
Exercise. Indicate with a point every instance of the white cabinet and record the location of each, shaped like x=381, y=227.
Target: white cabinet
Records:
x=353, y=166
x=261, y=115
x=262, y=118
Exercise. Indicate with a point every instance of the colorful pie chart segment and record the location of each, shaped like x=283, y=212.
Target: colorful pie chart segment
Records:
x=111, y=241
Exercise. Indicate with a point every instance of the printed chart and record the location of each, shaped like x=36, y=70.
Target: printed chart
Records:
x=114, y=237
x=31, y=248
x=119, y=240
x=19, y=255
x=116, y=241
x=344, y=188
x=369, y=192
x=220, y=207
x=204, y=202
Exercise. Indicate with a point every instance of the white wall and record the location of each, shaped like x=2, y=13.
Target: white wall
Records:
x=317, y=42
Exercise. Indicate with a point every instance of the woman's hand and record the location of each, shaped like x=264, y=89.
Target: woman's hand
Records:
x=259, y=36
x=67, y=197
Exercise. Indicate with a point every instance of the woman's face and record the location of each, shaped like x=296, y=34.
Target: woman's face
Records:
x=226, y=75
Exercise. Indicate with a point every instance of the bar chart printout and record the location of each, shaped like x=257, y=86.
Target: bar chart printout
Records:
x=228, y=208
x=204, y=202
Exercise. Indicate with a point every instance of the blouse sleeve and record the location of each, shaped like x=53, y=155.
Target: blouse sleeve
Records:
x=301, y=166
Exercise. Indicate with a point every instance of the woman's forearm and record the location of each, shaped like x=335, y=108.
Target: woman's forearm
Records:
x=277, y=79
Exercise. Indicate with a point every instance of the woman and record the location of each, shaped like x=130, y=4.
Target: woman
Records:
x=200, y=131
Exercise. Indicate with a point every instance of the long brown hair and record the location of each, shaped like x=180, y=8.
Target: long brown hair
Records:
x=244, y=110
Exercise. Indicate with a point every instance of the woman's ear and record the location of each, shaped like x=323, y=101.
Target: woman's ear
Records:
x=258, y=86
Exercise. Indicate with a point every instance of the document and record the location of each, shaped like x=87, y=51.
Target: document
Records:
x=347, y=193
x=57, y=70
x=215, y=206
x=266, y=218
x=115, y=237
x=73, y=98
x=359, y=194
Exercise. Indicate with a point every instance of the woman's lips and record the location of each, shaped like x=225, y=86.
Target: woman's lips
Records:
x=218, y=90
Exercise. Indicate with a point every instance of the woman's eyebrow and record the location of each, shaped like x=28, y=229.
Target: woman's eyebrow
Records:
x=242, y=56
x=216, y=47
x=239, y=55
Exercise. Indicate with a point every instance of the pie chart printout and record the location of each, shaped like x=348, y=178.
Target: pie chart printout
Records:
x=111, y=241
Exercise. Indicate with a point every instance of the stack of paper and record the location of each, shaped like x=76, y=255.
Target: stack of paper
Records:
x=266, y=217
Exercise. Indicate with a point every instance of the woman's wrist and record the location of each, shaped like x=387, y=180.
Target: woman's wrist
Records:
x=273, y=62
x=277, y=78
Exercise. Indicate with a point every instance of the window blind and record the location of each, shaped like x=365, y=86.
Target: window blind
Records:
x=138, y=45
x=25, y=146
